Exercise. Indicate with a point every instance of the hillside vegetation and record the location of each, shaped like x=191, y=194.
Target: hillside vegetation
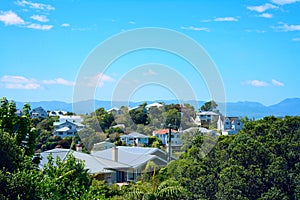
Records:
x=260, y=162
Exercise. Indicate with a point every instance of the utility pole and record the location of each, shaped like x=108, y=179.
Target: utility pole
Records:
x=169, y=142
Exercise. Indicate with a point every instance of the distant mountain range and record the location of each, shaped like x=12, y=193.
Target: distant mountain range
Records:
x=289, y=107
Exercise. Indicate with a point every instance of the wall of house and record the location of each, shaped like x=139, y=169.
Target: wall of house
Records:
x=227, y=124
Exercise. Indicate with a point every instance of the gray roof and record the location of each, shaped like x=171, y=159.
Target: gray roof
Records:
x=92, y=163
x=63, y=122
x=135, y=135
x=207, y=113
x=133, y=156
x=191, y=129
x=204, y=130
x=63, y=129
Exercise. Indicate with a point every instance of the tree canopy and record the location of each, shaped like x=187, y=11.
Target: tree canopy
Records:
x=209, y=106
x=261, y=162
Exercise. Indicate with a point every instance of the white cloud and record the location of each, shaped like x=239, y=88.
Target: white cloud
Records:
x=59, y=81
x=262, y=8
x=286, y=27
x=19, y=82
x=277, y=83
x=39, y=6
x=195, y=28
x=226, y=19
x=28, y=86
x=40, y=27
x=283, y=2
x=40, y=18
x=150, y=72
x=296, y=39
x=257, y=83
x=255, y=30
x=97, y=81
x=131, y=22
x=10, y=18
x=15, y=79
x=65, y=25
x=266, y=15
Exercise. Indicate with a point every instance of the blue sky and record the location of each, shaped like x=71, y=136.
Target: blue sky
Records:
x=254, y=44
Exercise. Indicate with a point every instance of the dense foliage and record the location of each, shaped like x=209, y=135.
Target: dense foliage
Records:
x=261, y=162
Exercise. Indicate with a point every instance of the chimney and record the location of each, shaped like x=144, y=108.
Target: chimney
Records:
x=79, y=147
x=115, y=153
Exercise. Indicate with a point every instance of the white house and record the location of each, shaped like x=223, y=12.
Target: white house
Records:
x=55, y=113
x=157, y=105
x=204, y=117
x=135, y=139
x=38, y=112
x=115, y=111
x=162, y=134
x=66, y=128
x=71, y=118
x=230, y=125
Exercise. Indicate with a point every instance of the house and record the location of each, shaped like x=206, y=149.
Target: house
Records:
x=120, y=126
x=114, y=165
x=38, y=112
x=136, y=158
x=157, y=105
x=71, y=118
x=229, y=125
x=19, y=113
x=57, y=113
x=163, y=135
x=103, y=145
x=66, y=128
x=94, y=165
x=115, y=111
x=205, y=118
x=135, y=139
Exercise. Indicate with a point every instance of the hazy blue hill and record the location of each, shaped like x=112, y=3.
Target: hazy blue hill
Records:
x=246, y=108
x=286, y=107
x=251, y=109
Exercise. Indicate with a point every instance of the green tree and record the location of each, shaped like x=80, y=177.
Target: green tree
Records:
x=139, y=115
x=209, y=106
x=12, y=155
x=65, y=180
x=104, y=118
x=173, y=118
x=260, y=162
x=168, y=189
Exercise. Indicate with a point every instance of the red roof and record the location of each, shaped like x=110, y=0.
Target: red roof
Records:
x=164, y=131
